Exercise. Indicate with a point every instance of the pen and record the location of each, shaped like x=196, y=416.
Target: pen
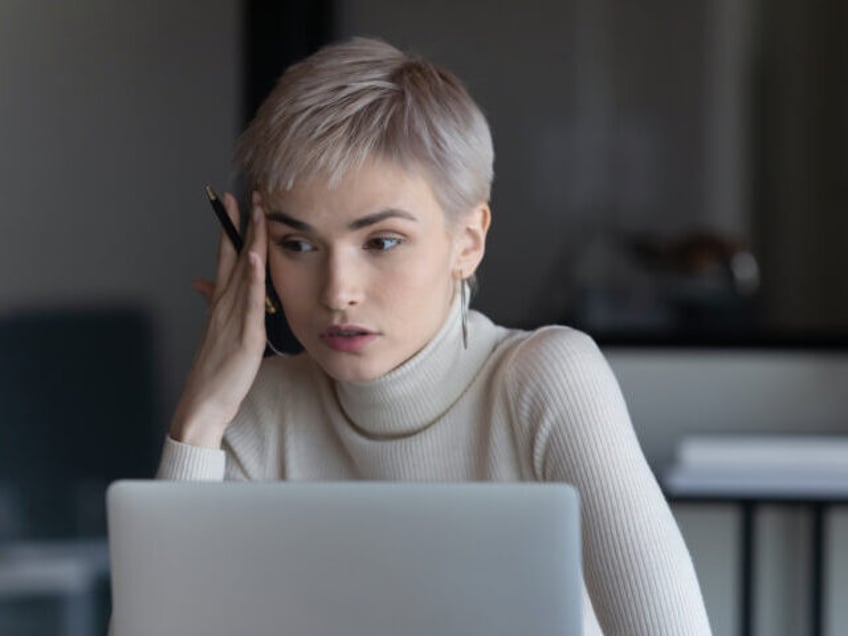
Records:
x=224, y=218
x=234, y=236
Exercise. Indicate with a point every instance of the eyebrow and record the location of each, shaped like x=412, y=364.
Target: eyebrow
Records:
x=358, y=224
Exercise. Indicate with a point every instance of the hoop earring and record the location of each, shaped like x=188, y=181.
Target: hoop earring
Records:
x=463, y=302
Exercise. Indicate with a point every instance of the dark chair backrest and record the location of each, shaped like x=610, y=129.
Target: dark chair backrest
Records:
x=78, y=409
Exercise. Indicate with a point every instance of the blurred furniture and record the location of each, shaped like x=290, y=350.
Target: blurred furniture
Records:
x=79, y=409
x=79, y=403
x=804, y=472
x=69, y=572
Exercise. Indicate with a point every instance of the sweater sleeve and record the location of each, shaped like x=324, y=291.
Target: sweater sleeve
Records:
x=184, y=462
x=637, y=568
x=245, y=447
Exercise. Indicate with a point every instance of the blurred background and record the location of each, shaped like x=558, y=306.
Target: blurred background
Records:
x=670, y=177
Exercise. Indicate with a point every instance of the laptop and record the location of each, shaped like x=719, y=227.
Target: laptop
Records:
x=351, y=558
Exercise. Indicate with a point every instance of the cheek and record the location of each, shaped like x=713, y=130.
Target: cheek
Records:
x=420, y=281
x=289, y=281
x=423, y=278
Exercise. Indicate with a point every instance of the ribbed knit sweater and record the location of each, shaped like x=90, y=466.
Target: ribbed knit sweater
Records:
x=513, y=406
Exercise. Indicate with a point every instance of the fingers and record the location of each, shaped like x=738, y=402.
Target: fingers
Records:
x=227, y=255
x=239, y=289
x=257, y=247
x=205, y=288
x=257, y=238
x=256, y=290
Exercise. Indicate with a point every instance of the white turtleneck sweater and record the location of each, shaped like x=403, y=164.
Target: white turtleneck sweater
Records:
x=514, y=406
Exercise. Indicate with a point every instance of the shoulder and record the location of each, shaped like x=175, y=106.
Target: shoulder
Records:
x=280, y=384
x=564, y=400
x=281, y=375
x=557, y=339
x=553, y=356
x=558, y=375
x=284, y=386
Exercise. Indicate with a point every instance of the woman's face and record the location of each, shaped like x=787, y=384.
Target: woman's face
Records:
x=366, y=269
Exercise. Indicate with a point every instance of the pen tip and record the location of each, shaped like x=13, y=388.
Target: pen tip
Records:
x=210, y=193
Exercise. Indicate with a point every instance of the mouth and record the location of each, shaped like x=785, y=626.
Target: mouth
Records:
x=345, y=331
x=348, y=338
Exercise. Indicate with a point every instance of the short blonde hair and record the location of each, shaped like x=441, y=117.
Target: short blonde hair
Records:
x=364, y=99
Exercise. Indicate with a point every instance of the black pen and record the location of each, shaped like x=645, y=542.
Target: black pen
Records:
x=224, y=218
x=235, y=237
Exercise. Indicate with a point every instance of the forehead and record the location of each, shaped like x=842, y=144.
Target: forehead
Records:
x=372, y=188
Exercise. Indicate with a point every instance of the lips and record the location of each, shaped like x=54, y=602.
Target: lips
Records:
x=347, y=338
x=345, y=331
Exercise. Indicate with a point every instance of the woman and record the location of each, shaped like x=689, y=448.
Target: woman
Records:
x=370, y=174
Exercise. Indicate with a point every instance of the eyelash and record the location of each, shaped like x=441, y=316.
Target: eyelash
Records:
x=395, y=240
x=376, y=244
x=294, y=245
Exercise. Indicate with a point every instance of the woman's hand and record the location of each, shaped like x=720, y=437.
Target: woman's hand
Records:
x=232, y=345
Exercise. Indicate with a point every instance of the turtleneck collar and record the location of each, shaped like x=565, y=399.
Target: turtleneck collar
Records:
x=412, y=396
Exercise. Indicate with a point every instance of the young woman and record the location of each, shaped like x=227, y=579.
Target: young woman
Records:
x=370, y=174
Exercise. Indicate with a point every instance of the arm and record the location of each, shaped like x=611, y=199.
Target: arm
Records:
x=637, y=568
x=184, y=462
x=226, y=363
x=231, y=349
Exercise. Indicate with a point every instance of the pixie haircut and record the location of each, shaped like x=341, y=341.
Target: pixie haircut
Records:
x=364, y=99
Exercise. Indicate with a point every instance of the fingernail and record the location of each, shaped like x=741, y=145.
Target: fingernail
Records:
x=257, y=214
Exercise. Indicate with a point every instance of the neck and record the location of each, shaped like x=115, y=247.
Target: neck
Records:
x=411, y=397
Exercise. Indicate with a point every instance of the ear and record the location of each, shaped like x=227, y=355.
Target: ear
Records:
x=470, y=240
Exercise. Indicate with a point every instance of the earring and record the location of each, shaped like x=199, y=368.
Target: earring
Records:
x=463, y=302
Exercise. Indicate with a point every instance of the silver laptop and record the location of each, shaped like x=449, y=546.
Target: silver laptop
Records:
x=352, y=559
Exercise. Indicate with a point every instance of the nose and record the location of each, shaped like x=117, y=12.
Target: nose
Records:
x=343, y=287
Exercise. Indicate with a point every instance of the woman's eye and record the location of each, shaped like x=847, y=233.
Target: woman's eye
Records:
x=295, y=245
x=383, y=243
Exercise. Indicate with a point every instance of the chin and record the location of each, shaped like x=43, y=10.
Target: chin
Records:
x=352, y=370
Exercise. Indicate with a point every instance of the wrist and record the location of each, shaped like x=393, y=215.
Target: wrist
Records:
x=197, y=429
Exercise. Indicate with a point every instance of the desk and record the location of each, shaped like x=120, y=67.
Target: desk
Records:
x=69, y=570
x=750, y=490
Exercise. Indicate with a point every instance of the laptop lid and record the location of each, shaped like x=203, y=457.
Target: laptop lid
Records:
x=352, y=558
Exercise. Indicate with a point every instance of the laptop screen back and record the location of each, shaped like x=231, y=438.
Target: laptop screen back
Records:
x=353, y=558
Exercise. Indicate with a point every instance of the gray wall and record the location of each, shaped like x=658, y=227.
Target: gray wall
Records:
x=113, y=116
x=580, y=94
